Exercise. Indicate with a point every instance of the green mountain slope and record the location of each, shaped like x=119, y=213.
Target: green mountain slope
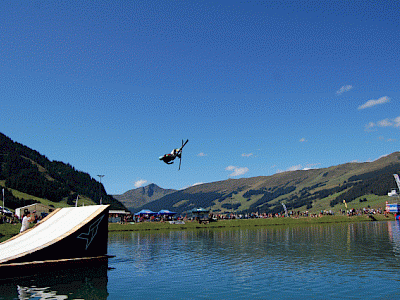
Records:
x=30, y=177
x=360, y=184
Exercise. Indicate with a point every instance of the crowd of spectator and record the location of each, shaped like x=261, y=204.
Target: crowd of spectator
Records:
x=5, y=219
x=299, y=214
x=13, y=219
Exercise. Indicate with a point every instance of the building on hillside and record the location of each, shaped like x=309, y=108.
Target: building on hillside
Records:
x=41, y=210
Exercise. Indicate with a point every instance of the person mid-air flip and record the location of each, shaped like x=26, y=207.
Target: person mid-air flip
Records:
x=168, y=158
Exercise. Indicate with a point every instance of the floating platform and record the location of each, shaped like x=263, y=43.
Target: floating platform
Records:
x=67, y=235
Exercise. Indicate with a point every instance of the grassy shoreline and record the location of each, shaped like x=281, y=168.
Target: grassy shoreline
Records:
x=149, y=226
x=9, y=230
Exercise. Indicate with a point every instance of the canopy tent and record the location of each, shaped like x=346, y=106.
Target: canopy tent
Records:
x=166, y=212
x=145, y=212
x=200, y=211
x=201, y=214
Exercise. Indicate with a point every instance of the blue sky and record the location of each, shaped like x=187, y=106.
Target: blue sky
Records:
x=258, y=87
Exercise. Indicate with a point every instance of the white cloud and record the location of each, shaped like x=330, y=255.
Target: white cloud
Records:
x=299, y=167
x=188, y=186
x=140, y=183
x=370, y=126
x=294, y=168
x=237, y=171
x=302, y=140
x=381, y=138
x=384, y=155
x=247, y=154
x=383, y=123
x=201, y=154
x=344, y=89
x=311, y=166
x=374, y=102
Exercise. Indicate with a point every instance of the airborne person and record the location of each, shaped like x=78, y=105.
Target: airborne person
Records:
x=168, y=158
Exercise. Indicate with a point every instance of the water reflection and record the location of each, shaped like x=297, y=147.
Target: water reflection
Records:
x=350, y=242
x=335, y=261
x=78, y=283
x=237, y=263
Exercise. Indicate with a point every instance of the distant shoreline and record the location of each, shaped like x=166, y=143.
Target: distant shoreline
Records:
x=8, y=230
x=243, y=223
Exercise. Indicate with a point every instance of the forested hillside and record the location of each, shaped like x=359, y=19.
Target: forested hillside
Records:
x=25, y=170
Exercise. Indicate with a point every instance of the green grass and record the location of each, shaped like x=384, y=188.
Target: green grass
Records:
x=63, y=203
x=8, y=230
x=245, y=223
x=373, y=201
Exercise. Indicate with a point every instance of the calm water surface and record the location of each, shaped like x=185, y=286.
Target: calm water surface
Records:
x=352, y=261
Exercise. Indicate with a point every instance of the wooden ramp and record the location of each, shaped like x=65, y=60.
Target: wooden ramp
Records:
x=73, y=232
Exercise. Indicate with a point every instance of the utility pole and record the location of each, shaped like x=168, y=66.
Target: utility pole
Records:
x=101, y=198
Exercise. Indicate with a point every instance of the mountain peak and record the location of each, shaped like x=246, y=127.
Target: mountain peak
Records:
x=138, y=197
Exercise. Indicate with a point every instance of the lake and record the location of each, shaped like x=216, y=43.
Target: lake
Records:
x=335, y=261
